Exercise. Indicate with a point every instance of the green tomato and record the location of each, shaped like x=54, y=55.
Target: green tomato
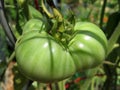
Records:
x=88, y=46
x=33, y=24
x=40, y=57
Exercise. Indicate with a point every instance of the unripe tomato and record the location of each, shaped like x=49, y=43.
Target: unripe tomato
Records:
x=34, y=24
x=40, y=57
x=43, y=58
x=88, y=46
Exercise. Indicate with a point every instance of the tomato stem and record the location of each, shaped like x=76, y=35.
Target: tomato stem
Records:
x=111, y=64
x=61, y=85
x=11, y=57
x=45, y=10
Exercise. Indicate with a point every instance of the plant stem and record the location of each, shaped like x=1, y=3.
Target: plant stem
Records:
x=102, y=13
x=111, y=64
x=113, y=38
x=11, y=57
x=45, y=9
x=61, y=85
x=18, y=27
x=38, y=86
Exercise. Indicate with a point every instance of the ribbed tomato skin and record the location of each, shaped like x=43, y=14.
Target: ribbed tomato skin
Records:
x=40, y=57
x=88, y=46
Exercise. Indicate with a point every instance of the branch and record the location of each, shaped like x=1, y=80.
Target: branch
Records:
x=111, y=64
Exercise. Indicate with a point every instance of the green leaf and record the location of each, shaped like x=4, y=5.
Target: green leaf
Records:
x=34, y=13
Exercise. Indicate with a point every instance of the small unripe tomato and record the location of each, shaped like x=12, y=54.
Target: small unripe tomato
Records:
x=34, y=24
x=88, y=46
